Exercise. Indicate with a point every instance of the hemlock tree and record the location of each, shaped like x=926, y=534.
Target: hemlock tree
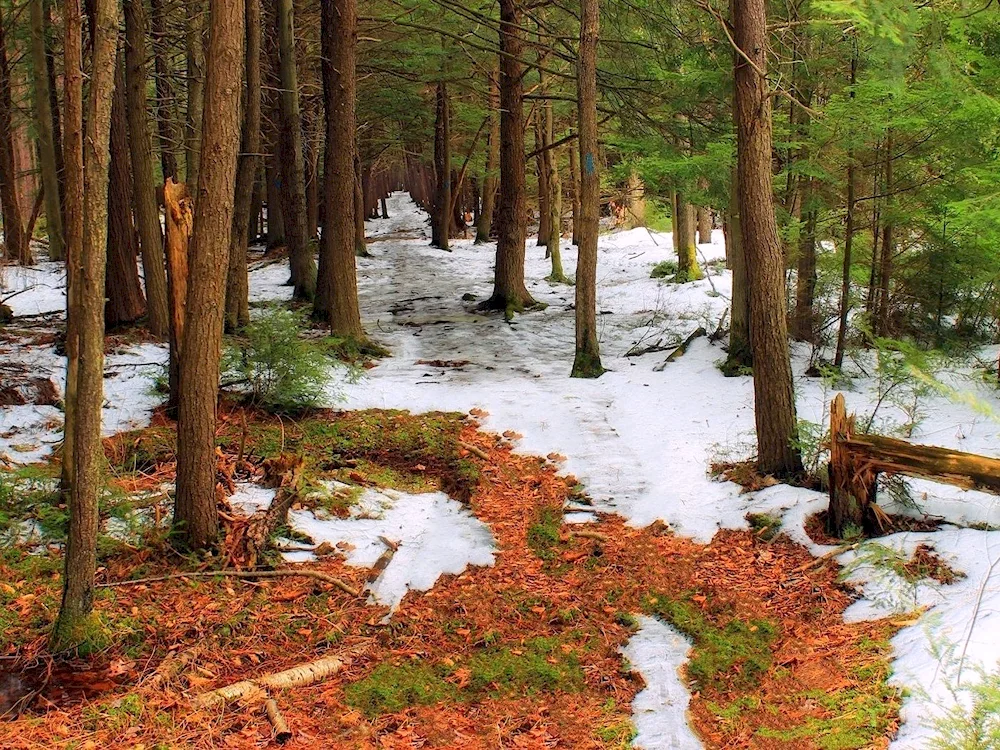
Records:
x=85, y=347
x=195, y=515
x=16, y=242
x=587, y=361
x=338, y=300
x=774, y=396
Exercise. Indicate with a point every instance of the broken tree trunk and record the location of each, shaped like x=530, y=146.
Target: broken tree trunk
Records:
x=179, y=220
x=857, y=460
x=262, y=524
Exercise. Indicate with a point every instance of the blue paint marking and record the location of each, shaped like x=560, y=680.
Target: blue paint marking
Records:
x=588, y=163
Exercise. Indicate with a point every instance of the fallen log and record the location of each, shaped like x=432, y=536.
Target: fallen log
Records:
x=257, y=533
x=681, y=350
x=249, y=574
x=254, y=690
x=281, y=731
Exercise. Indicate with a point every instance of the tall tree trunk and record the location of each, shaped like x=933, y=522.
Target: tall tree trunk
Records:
x=339, y=275
x=542, y=172
x=774, y=395
x=740, y=356
x=237, y=282
x=16, y=241
x=574, y=180
x=42, y=99
x=195, y=89
x=509, y=292
x=195, y=514
x=635, y=201
x=147, y=214
x=87, y=302
x=360, y=248
x=555, y=203
x=125, y=301
x=441, y=229
x=485, y=224
x=704, y=225
x=687, y=251
x=845, y=284
x=303, y=266
x=275, y=217
x=50, y=68
x=885, y=267
x=587, y=359
x=166, y=104
x=805, y=285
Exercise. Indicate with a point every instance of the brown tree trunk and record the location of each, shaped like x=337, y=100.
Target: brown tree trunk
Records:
x=687, y=251
x=740, y=356
x=542, y=172
x=805, y=285
x=42, y=100
x=554, y=185
x=125, y=301
x=360, y=248
x=441, y=227
x=885, y=266
x=16, y=242
x=195, y=41
x=485, y=224
x=195, y=514
x=338, y=302
x=73, y=626
x=147, y=214
x=303, y=267
x=509, y=292
x=237, y=282
x=574, y=180
x=774, y=395
x=587, y=359
x=166, y=112
x=275, y=218
x=704, y=225
x=845, y=284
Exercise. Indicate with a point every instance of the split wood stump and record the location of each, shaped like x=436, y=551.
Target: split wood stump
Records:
x=856, y=460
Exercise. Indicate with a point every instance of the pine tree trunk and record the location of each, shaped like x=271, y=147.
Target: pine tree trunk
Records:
x=635, y=201
x=485, y=224
x=542, y=172
x=885, y=266
x=275, y=218
x=89, y=228
x=805, y=287
x=509, y=292
x=195, y=41
x=845, y=285
x=587, y=359
x=195, y=514
x=774, y=396
x=147, y=214
x=574, y=186
x=166, y=113
x=687, y=251
x=555, y=203
x=16, y=242
x=704, y=226
x=740, y=356
x=42, y=100
x=237, y=281
x=125, y=301
x=303, y=266
x=360, y=248
x=441, y=229
x=50, y=68
x=338, y=272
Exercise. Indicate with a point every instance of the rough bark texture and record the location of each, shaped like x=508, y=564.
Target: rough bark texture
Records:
x=587, y=360
x=178, y=218
x=125, y=303
x=147, y=214
x=195, y=88
x=15, y=241
x=441, y=220
x=509, y=292
x=774, y=396
x=303, y=266
x=704, y=225
x=339, y=279
x=740, y=353
x=485, y=223
x=166, y=116
x=805, y=286
x=42, y=100
x=195, y=513
x=237, y=282
x=72, y=627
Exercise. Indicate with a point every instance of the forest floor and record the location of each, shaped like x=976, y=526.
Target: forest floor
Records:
x=619, y=539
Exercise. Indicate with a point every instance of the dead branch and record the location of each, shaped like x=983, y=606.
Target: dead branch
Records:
x=474, y=450
x=281, y=731
x=248, y=574
x=680, y=350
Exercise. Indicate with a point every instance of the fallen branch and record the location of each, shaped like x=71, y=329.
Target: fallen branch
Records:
x=281, y=731
x=249, y=574
x=823, y=558
x=383, y=560
x=305, y=674
x=474, y=450
x=256, y=535
x=680, y=350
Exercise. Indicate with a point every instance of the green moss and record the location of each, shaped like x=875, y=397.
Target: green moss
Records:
x=587, y=364
x=764, y=525
x=354, y=350
x=732, y=656
x=543, y=535
x=664, y=269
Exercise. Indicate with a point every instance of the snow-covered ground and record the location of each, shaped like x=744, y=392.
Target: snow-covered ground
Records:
x=639, y=439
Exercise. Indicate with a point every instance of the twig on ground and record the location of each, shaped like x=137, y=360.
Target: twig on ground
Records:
x=474, y=450
x=319, y=576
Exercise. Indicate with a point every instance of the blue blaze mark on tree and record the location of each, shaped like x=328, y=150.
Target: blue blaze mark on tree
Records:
x=588, y=163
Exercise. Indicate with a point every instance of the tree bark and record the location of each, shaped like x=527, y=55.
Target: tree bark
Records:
x=485, y=224
x=237, y=281
x=42, y=100
x=587, y=359
x=303, y=267
x=774, y=395
x=885, y=266
x=704, y=225
x=275, y=217
x=17, y=243
x=845, y=284
x=542, y=172
x=166, y=114
x=805, y=285
x=509, y=292
x=125, y=301
x=740, y=356
x=195, y=513
x=574, y=186
x=554, y=185
x=338, y=302
x=441, y=228
x=687, y=251
x=147, y=214
x=73, y=626
x=360, y=248
x=195, y=89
